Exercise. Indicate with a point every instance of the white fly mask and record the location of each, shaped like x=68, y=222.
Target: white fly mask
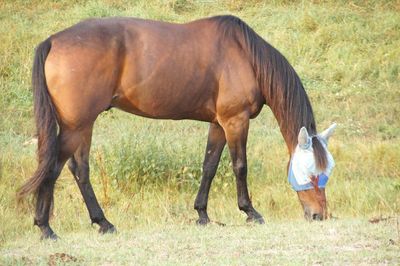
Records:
x=303, y=165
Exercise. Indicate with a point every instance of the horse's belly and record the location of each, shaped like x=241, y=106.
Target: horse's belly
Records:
x=161, y=104
x=168, y=89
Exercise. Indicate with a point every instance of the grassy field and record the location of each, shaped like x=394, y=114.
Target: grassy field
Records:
x=146, y=172
x=277, y=243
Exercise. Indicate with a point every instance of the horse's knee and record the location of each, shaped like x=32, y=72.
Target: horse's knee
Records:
x=240, y=169
x=83, y=173
x=209, y=169
x=80, y=170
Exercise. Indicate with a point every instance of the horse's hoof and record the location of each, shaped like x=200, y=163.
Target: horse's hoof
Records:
x=47, y=233
x=256, y=220
x=203, y=221
x=108, y=229
x=51, y=236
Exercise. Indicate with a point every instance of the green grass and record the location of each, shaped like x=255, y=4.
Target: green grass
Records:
x=146, y=172
x=289, y=243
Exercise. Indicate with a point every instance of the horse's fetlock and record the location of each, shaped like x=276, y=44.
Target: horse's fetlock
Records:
x=245, y=205
x=40, y=223
x=200, y=206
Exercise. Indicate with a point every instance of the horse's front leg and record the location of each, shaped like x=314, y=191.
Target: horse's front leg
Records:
x=236, y=129
x=215, y=145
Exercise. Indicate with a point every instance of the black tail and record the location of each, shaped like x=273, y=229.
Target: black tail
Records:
x=46, y=125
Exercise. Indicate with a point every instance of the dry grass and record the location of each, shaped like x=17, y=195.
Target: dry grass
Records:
x=347, y=55
x=276, y=243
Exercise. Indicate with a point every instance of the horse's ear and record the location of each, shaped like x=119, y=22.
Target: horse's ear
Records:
x=327, y=133
x=303, y=137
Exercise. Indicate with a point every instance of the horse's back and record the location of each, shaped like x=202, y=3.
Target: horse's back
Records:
x=149, y=68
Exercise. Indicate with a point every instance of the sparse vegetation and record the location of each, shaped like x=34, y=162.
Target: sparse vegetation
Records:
x=146, y=172
x=290, y=243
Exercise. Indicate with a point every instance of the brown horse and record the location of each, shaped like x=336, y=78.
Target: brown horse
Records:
x=216, y=70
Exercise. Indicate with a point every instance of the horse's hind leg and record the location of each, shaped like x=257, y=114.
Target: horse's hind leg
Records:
x=215, y=145
x=43, y=205
x=67, y=142
x=79, y=166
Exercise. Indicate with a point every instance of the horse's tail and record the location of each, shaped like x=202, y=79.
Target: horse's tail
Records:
x=46, y=125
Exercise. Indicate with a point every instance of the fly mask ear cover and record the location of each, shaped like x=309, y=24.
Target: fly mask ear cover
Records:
x=302, y=167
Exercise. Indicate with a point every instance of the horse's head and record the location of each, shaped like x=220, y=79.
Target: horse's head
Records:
x=309, y=169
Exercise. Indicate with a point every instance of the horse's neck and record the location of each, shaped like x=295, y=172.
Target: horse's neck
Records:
x=286, y=131
x=291, y=109
x=282, y=89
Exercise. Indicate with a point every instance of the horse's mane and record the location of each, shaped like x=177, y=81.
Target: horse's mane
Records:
x=282, y=88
